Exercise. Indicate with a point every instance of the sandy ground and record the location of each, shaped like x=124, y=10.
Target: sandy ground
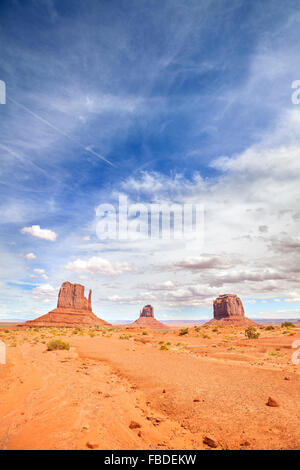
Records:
x=178, y=388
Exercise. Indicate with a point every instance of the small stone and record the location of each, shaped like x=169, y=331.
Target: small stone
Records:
x=287, y=377
x=272, y=402
x=164, y=390
x=245, y=444
x=92, y=445
x=196, y=399
x=134, y=425
x=210, y=442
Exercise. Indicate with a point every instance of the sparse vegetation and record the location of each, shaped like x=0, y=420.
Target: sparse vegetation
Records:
x=164, y=347
x=251, y=332
x=184, y=331
x=140, y=340
x=287, y=324
x=124, y=336
x=57, y=344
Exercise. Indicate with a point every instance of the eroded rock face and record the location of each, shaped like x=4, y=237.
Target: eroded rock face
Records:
x=72, y=296
x=73, y=309
x=229, y=310
x=228, y=305
x=148, y=311
x=147, y=320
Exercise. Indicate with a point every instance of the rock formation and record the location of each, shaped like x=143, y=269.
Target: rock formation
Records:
x=73, y=309
x=148, y=311
x=228, y=309
x=147, y=320
x=72, y=296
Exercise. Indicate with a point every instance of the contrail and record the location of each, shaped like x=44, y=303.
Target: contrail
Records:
x=22, y=159
x=87, y=149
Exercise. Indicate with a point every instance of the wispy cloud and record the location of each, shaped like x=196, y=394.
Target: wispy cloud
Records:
x=201, y=115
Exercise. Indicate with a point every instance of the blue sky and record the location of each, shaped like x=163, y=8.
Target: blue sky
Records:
x=162, y=102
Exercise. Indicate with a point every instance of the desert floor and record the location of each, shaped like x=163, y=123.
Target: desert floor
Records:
x=178, y=388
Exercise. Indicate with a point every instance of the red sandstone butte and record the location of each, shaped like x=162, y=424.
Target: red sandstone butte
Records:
x=73, y=309
x=228, y=309
x=147, y=319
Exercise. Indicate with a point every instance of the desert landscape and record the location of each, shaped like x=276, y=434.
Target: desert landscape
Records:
x=103, y=386
x=150, y=227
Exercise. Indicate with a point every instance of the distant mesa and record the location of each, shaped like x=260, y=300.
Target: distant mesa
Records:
x=73, y=309
x=147, y=319
x=229, y=310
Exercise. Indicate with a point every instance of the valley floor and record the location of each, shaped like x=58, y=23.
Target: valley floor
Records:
x=89, y=395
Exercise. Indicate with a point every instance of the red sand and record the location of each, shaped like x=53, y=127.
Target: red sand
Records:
x=63, y=399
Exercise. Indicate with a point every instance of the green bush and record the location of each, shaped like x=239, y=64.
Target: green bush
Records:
x=124, y=336
x=184, y=331
x=57, y=344
x=164, y=347
x=287, y=324
x=269, y=327
x=251, y=332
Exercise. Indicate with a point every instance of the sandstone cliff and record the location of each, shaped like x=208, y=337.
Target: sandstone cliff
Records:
x=147, y=320
x=73, y=309
x=228, y=309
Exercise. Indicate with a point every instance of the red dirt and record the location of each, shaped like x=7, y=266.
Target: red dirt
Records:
x=91, y=394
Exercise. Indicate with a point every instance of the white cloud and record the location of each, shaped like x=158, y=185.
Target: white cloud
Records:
x=285, y=244
x=44, y=290
x=203, y=262
x=96, y=264
x=39, y=271
x=37, y=231
x=292, y=313
x=29, y=256
x=293, y=297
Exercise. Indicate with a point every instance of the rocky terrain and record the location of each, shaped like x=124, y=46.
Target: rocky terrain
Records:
x=203, y=387
x=72, y=381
